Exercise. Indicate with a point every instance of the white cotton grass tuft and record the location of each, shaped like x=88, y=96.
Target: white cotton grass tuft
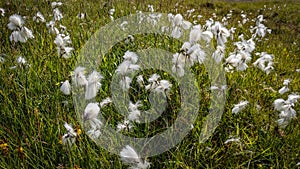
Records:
x=131, y=56
x=130, y=157
x=66, y=88
x=69, y=138
x=153, y=80
x=16, y=21
x=240, y=57
x=91, y=111
x=283, y=90
x=286, y=109
x=221, y=33
x=260, y=30
x=219, y=53
x=123, y=25
x=178, y=67
x=21, y=60
x=158, y=86
x=125, y=125
x=2, y=12
x=178, y=23
x=62, y=41
x=191, y=52
x=127, y=67
x=39, y=17
x=232, y=139
x=57, y=15
x=285, y=87
x=265, y=62
x=111, y=13
x=20, y=32
x=134, y=112
x=140, y=80
x=105, y=102
x=239, y=107
x=94, y=132
x=163, y=87
x=93, y=85
x=55, y=4
x=79, y=76
x=81, y=16
x=95, y=128
x=51, y=27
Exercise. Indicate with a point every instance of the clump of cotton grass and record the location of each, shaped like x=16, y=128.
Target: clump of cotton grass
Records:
x=2, y=12
x=286, y=109
x=125, y=125
x=285, y=87
x=20, y=32
x=140, y=80
x=111, y=13
x=91, y=111
x=69, y=138
x=95, y=129
x=259, y=30
x=153, y=82
x=57, y=15
x=151, y=18
x=191, y=51
x=93, y=85
x=134, y=112
x=158, y=86
x=219, y=54
x=51, y=25
x=21, y=60
x=133, y=116
x=178, y=67
x=178, y=23
x=130, y=157
x=241, y=55
x=239, y=107
x=39, y=17
x=126, y=67
x=55, y=4
x=22, y=63
x=62, y=41
x=265, y=62
x=66, y=87
x=238, y=60
x=221, y=33
x=245, y=19
x=79, y=76
x=81, y=16
x=91, y=114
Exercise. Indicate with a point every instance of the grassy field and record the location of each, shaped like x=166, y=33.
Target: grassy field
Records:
x=34, y=109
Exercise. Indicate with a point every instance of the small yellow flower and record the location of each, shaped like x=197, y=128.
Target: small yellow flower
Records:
x=76, y=167
x=3, y=145
x=60, y=140
x=78, y=130
x=20, y=150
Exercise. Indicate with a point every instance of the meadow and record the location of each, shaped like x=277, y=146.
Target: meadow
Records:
x=256, y=43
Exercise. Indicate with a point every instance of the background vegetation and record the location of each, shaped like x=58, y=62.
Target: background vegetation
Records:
x=33, y=109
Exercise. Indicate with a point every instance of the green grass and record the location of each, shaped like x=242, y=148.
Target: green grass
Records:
x=33, y=110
